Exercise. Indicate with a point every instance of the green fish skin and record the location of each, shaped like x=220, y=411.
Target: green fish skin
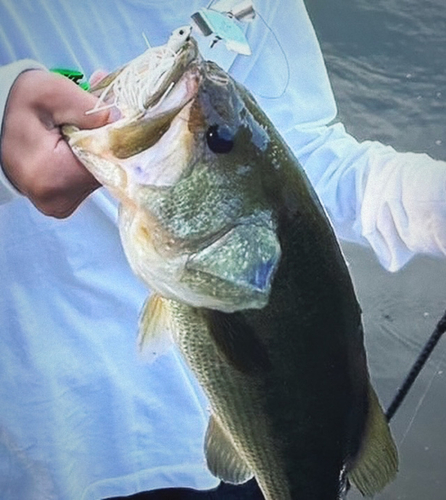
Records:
x=219, y=219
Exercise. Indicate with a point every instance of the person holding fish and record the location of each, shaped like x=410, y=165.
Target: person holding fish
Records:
x=81, y=416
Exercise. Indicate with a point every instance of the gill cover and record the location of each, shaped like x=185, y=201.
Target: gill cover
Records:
x=238, y=268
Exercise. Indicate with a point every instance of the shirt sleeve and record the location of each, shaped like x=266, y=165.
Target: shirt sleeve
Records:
x=393, y=202
x=8, y=75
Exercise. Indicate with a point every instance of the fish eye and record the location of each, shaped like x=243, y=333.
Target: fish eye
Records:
x=220, y=139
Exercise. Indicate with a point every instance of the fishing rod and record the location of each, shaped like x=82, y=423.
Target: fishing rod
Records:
x=412, y=376
x=416, y=368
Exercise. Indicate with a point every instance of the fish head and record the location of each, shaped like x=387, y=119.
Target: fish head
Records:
x=188, y=161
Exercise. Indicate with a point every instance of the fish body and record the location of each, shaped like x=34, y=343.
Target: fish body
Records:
x=219, y=219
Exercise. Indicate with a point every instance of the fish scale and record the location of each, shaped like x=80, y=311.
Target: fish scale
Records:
x=197, y=346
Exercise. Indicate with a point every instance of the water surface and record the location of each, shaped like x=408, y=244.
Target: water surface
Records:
x=386, y=60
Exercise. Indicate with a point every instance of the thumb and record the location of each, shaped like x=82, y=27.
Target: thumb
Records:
x=68, y=104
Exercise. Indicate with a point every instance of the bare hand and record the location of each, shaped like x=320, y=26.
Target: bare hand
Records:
x=35, y=157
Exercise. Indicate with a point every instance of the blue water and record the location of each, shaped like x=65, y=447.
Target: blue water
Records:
x=386, y=60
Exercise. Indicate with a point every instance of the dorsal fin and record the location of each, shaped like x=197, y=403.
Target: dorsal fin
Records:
x=222, y=457
x=377, y=463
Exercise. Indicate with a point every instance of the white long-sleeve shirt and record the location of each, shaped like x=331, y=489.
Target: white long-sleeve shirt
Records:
x=81, y=417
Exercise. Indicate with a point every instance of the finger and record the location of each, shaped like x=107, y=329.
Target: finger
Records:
x=71, y=104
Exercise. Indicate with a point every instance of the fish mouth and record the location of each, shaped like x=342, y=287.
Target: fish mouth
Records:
x=183, y=72
x=160, y=75
x=147, y=98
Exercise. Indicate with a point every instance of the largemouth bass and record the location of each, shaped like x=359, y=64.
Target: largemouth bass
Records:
x=218, y=218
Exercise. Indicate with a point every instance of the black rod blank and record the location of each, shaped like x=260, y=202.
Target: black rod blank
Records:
x=416, y=368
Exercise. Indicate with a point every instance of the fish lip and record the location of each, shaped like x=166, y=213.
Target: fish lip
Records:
x=177, y=88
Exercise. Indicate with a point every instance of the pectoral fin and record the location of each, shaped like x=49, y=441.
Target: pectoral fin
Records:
x=155, y=329
x=222, y=458
x=377, y=463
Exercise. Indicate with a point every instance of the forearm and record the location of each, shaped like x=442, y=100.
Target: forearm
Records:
x=393, y=202
x=8, y=75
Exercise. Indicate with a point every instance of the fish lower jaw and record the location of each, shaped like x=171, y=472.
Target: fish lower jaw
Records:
x=108, y=173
